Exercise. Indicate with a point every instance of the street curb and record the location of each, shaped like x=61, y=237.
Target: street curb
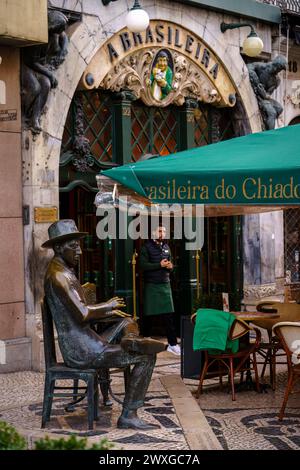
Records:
x=196, y=429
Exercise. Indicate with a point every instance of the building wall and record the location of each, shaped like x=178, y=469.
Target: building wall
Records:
x=292, y=94
x=12, y=307
x=23, y=22
x=41, y=155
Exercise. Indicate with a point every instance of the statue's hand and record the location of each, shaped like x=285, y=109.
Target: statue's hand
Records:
x=57, y=61
x=261, y=91
x=59, y=58
x=63, y=53
x=53, y=81
x=116, y=302
x=119, y=313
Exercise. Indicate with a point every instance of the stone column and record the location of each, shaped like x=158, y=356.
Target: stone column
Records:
x=187, y=266
x=122, y=155
x=40, y=190
x=14, y=346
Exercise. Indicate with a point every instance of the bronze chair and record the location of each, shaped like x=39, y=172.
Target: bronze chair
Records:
x=289, y=336
x=232, y=363
x=59, y=371
x=90, y=292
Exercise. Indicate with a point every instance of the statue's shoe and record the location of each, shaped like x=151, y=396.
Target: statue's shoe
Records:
x=135, y=423
x=137, y=344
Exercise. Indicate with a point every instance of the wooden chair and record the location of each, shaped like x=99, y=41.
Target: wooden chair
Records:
x=232, y=363
x=59, y=371
x=269, y=350
x=289, y=336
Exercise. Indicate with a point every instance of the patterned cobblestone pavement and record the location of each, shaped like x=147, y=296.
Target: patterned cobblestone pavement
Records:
x=21, y=405
x=252, y=429
x=251, y=422
x=248, y=423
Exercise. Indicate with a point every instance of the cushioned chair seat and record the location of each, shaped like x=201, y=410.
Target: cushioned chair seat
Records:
x=289, y=335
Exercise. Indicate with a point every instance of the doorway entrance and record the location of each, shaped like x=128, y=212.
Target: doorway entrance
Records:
x=95, y=127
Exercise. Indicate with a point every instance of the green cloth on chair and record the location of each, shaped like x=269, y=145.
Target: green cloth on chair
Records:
x=211, y=331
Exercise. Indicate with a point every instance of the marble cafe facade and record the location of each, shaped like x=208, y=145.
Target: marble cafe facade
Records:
x=207, y=67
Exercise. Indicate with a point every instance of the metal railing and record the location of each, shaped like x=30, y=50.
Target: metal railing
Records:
x=287, y=6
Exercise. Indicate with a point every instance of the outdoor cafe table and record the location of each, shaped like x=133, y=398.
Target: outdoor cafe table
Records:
x=252, y=316
x=248, y=317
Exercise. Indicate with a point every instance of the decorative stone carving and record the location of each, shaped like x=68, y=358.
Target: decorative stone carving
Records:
x=295, y=94
x=134, y=72
x=215, y=125
x=82, y=156
x=264, y=80
x=39, y=63
x=259, y=291
x=79, y=155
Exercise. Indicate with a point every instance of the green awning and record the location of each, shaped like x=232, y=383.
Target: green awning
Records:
x=249, y=9
x=257, y=169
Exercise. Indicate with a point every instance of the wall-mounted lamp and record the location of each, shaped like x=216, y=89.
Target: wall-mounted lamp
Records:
x=137, y=19
x=252, y=45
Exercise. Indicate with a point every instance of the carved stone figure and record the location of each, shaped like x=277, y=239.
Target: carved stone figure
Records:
x=183, y=79
x=161, y=76
x=264, y=80
x=81, y=347
x=39, y=62
x=82, y=159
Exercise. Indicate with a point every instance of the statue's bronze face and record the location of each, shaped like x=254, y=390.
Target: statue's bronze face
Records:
x=70, y=252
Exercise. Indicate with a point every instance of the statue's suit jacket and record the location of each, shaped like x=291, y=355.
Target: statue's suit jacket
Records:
x=79, y=344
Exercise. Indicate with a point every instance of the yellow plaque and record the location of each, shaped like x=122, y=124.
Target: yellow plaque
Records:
x=44, y=215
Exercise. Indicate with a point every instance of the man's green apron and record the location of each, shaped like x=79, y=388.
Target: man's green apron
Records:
x=158, y=299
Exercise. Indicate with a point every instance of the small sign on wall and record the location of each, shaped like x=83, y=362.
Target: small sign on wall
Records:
x=43, y=215
x=225, y=299
x=8, y=114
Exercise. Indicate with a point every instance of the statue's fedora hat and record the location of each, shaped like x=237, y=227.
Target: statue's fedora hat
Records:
x=61, y=231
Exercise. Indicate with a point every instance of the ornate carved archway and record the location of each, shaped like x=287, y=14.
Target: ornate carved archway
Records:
x=128, y=61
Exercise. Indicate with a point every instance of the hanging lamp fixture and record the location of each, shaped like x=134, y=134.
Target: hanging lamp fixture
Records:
x=252, y=45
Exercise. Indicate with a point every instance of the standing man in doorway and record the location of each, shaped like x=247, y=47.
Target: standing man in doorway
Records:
x=155, y=261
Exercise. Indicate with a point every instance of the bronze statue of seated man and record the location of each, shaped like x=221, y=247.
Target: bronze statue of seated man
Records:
x=80, y=345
